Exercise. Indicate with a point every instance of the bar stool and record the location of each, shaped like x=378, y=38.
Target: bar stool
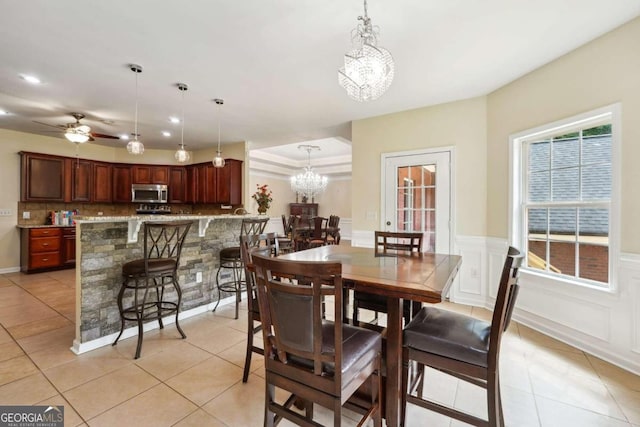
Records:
x=158, y=269
x=230, y=258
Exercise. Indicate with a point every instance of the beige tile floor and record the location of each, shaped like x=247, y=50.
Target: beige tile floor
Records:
x=197, y=381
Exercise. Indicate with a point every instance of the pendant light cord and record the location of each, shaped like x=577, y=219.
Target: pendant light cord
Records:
x=182, y=133
x=219, y=107
x=135, y=137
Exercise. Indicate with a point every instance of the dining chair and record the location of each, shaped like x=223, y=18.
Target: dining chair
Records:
x=333, y=230
x=388, y=243
x=318, y=236
x=265, y=244
x=461, y=346
x=319, y=361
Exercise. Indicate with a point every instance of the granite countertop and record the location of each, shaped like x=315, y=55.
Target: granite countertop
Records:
x=123, y=218
x=44, y=226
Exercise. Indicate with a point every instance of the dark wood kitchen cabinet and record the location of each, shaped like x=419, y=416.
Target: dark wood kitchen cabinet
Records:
x=102, y=182
x=149, y=174
x=68, y=247
x=229, y=183
x=47, y=248
x=79, y=180
x=177, y=185
x=42, y=178
x=121, y=183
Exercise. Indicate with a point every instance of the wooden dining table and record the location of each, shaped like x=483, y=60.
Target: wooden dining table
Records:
x=424, y=277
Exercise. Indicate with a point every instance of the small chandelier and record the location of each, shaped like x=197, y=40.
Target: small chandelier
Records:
x=309, y=183
x=218, y=160
x=368, y=69
x=182, y=155
x=135, y=146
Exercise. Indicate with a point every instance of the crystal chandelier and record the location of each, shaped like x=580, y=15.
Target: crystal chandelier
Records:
x=135, y=146
x=218, y=160
x=182, y=155
x=368, y=69
x=309, y=183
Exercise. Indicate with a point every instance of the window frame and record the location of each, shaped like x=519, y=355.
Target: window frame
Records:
x=518, y=188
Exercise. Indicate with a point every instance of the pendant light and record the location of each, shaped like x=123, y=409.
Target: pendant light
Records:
x=218, y=160
x=135, y=147
x=182, y=155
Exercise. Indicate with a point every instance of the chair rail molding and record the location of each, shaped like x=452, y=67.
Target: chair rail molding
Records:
x=605, y=324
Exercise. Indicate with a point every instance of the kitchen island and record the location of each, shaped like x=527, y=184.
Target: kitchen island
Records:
x=104, y=244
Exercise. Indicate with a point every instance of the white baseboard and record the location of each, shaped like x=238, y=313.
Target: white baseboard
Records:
x=79, y=348
x=9, y=270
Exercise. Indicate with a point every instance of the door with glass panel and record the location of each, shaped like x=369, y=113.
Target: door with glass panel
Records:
x=417, y=197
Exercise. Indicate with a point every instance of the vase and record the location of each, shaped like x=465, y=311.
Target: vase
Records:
x=262, y=210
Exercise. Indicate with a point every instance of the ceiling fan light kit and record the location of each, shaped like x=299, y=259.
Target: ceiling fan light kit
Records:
x=182, y=155
x=218, y=160
x=135, y=147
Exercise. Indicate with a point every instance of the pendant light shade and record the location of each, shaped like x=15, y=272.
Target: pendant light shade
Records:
x=135, y=147
x=368, y=69
x=218, y=160
x=182, y=155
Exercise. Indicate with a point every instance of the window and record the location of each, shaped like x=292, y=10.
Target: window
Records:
x=564, y=198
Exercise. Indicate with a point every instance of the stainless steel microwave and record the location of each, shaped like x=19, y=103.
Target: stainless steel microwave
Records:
x=149, y=193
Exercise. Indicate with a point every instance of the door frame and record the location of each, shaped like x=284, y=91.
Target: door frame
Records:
x=452, y=184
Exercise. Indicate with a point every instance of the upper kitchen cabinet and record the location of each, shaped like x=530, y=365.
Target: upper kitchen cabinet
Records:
x=229, y=183
x=177, y=185
x=79, y=180
x=122, y=183
x=149, y=174
x=42, y=178
x=102, y=182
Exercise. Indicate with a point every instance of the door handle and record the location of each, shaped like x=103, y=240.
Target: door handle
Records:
x=388, y=222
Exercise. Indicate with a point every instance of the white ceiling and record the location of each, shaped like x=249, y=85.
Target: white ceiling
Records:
x=273, y=62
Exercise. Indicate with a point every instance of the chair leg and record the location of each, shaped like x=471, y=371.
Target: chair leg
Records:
x=404, y=389
x=179, y=292
x=337, y=413
x=237, y=285
x=140, y=306
x=218, y=286
x=376, y=395
x=269, y=396
x=247, y=357
x=494, y=409
x=121, y=310
x=355, y=311
x=159, y=298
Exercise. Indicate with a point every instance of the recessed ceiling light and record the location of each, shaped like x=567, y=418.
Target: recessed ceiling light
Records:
x=174, y=120
x=165, y=133
x=31, y=79
x=124, y=136
x=4, y=113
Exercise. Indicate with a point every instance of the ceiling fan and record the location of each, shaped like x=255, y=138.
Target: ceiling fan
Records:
x=78, y=132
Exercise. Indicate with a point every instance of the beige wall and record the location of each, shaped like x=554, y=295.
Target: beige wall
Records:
x=336, y=200
x=13, y=142
x=600, y=73
x=459, y=124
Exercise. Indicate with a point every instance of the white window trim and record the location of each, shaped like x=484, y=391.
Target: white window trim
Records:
x=516, y=189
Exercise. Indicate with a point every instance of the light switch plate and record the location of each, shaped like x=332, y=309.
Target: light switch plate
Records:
x=5, y=212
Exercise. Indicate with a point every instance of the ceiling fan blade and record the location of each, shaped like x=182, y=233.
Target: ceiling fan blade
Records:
x=53, y=126
x=102, y=135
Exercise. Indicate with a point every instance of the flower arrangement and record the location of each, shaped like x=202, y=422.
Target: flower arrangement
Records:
x=262, y=196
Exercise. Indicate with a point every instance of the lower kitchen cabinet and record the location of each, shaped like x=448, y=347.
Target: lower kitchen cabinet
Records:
x=47, y=248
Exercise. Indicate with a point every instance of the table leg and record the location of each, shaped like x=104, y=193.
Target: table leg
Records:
x=393, y=361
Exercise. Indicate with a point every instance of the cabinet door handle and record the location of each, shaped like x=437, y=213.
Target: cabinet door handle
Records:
x=45, y=244
x=45, y=232
x=45, y=259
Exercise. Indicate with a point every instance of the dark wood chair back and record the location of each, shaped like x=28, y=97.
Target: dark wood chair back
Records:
x=322, y=361
x=319, y=232
x=398, y=242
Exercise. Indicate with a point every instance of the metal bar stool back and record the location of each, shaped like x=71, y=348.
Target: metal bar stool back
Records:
x=231, y=259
